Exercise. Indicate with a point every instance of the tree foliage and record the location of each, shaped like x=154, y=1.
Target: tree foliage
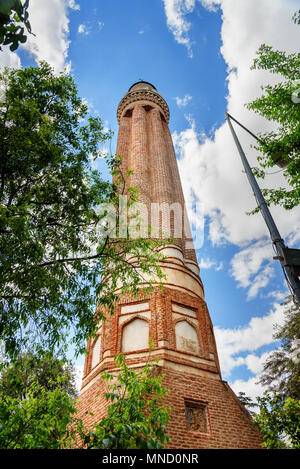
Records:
x=59, y=259
x=37, y=403
x=136, y=417
x=14, y=18
x=247, y=402
x=47, y=371
x=280, y=103
x=45, y=417
x=278, y=415
x=281, y=371
x=277, y=412
x=279, y=421
x=43, y=420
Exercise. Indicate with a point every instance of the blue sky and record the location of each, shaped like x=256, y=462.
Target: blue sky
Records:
x=197, y=53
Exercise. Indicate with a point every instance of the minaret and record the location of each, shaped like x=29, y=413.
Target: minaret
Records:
x=206, y=413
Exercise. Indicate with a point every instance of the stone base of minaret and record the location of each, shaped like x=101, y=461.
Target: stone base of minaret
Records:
x=205, y=411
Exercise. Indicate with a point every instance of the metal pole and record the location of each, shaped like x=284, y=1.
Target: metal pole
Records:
x=274, y=233
x=245, y=128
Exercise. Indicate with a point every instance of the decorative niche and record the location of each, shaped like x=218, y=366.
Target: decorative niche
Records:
x=196, y=416
x=135, y=335
x=96, y=351
x=186, y=337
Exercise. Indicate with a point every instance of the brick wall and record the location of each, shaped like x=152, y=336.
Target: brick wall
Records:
x=192, y=376
x=229, y=425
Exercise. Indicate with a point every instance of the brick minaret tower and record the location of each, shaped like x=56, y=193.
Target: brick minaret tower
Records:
x=206, y=413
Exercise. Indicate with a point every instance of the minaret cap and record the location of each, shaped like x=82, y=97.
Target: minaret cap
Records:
x=141, y=84
x=143, y=93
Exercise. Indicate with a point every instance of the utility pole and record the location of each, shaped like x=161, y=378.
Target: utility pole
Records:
x=289, y=258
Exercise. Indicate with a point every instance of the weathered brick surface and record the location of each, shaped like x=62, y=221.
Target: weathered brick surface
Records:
x=192, y=374
x=229, y=424
x=161, y=328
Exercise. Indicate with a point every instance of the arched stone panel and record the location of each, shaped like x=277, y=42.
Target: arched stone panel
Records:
x=96, y=352
x=186, y=337
x=135, y=335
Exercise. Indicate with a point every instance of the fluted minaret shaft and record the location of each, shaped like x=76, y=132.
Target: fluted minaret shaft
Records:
x=149, y=152
x=139, y=155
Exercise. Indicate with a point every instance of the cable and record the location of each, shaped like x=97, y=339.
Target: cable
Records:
x=275, y=172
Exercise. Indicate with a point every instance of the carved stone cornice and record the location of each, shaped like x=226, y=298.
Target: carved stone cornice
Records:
x=145, y=97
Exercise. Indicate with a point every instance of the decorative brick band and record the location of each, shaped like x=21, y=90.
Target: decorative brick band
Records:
x=144, y=97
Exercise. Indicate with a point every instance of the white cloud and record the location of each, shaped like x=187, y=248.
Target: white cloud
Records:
x=256, y=363
x=50, y=24
x=73, y=5
x=261, y=280
x=223, y=189
x=252, y=266
x=141, y=31
x=181, y=102
x=83, y=29
x=206, y=263
x=210, y=167
x=233, y=344
x=90, y=105
x=175, y=11
x=86, y=29
x=211, y=5
x=50, y=42
x=8, y=58
x=278, y=295
x=250, y=387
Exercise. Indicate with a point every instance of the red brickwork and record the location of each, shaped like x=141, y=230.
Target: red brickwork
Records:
x=161, y=328
x=176, y=317
x=229, y=425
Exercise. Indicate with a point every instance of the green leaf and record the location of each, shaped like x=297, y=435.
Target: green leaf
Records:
x=13, y=46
